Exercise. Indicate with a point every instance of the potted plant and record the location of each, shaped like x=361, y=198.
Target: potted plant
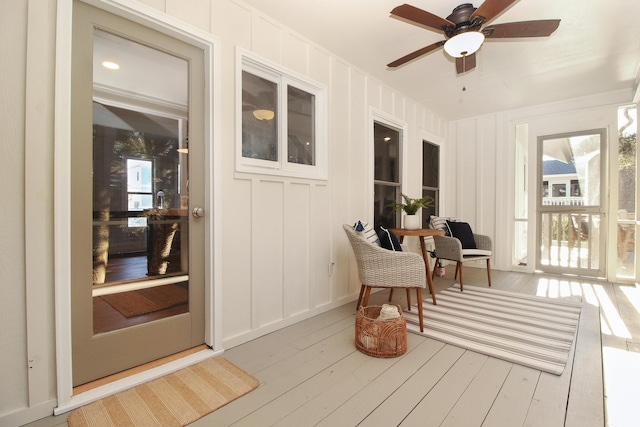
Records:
x=411, y=207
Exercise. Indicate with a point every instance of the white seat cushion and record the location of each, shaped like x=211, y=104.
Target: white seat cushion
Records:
x=476, y=252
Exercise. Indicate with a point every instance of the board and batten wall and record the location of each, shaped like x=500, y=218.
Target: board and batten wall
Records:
x=484, y=151
x=285, y=256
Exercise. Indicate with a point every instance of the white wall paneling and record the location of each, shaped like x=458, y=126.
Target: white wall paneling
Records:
x=298, y=280
x=267, y=246
x=283, y=254
x=485, y=164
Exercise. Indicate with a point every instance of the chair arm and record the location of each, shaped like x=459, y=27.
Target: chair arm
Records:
x=448, y=248
x=379, y=267
x=483, y=242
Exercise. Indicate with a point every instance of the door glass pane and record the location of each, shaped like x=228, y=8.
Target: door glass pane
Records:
x=140, y=184
x=259, y=109
x=571, y=234
x=301, y=127
x=571, y=163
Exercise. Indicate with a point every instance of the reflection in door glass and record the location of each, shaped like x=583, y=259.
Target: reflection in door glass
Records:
x=140, y=184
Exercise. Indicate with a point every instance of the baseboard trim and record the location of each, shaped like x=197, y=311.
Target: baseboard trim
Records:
x=28, y=415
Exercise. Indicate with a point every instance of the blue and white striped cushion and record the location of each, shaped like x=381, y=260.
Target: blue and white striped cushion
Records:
x=367, y=230
x=440, y=223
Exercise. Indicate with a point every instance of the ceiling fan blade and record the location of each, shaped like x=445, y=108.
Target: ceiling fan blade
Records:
x=421, y=17
x=413, y=55
x=465, y=63
x=541, y=28
x=491, y=8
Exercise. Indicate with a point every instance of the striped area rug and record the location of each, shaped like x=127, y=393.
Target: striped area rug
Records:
x=176, y=399
x=532, y=331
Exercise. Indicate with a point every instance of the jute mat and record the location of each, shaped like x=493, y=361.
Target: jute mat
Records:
x=144, y=301
x=176, y=399
x=527, y=330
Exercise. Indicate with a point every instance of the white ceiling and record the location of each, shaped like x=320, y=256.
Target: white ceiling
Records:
x=596, y=49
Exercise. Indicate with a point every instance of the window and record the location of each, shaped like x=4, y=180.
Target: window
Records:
x=282, y=121
x=139, y=185
x=558, y=190
x=386, y=140
x=575, y=188
x=430, y=179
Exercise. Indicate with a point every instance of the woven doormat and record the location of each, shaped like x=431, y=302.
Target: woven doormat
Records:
x=176, y=399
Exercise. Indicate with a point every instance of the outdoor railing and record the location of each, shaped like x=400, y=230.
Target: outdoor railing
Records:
x=563, y=201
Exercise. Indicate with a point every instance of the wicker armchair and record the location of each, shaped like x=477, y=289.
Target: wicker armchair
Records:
x=382, y=268
x=450, y=248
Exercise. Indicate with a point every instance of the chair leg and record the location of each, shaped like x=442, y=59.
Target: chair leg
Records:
x=459, y=268
x=455, y=276
x=408, y=299
x=419, y=296
x=433, y=273
x=365, y=299
x=360, y=297
x=390, y=294
x=489, y=271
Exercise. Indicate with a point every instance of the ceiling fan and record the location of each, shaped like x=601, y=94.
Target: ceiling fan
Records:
x=465, y=30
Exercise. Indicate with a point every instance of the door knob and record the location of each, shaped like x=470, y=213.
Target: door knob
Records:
x=197, y=212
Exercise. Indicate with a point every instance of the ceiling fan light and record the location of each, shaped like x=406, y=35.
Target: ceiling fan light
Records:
x=464, y=44
x=264, y=114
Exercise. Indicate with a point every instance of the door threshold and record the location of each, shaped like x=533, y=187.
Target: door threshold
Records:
x=136, y=370
x=133, y=377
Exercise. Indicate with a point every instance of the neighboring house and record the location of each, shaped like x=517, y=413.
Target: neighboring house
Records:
x=277, y=250
x=560, y=183
x=563, y=185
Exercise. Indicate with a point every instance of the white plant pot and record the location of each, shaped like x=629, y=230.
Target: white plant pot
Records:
x=412, y=222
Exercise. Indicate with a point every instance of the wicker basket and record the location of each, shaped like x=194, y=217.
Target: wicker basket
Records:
x=380, y=338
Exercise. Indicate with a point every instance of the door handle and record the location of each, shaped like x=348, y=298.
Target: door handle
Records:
x=197, y=212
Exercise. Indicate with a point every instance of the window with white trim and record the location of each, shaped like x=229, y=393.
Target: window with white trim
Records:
x=430, y=179
x=282, y=125
x=387, y=148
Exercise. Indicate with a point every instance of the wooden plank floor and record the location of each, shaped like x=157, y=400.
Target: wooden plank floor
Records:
x=311, y=373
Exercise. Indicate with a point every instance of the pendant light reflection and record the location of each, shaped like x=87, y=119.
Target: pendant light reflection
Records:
x=110, y=65
x=264, y=114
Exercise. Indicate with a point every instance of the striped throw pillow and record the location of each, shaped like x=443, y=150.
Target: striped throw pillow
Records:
x=440, y=223
x=368, y=232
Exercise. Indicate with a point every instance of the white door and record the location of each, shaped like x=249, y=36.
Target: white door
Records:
x=572, y=203
x=137, y=157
